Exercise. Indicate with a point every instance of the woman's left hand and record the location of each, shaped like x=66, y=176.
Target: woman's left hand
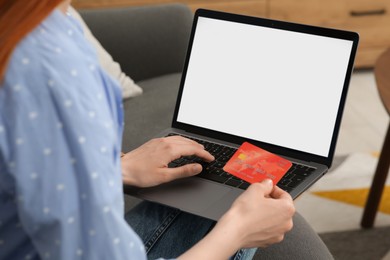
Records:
x=147, y=165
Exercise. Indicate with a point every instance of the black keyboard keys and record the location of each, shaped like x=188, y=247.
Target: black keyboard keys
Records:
x=214, y=170
x=295, y=176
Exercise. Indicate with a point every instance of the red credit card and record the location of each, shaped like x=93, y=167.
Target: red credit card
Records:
x=253, y=164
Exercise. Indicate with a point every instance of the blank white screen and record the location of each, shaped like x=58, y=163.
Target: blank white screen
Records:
x=271, y=85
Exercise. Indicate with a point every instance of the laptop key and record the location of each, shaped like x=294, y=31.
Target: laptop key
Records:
x=172, y=165
x=231, y=151
x=218, y=165
x=214, y=171
x=291, y=170
x=223, y=159
x=295, y=182
x=219, y=171
x=235, y=178
x=197, y=160
x=303, y=173
x=285, y=188
x=226, y=153
x=288, y=175
x=284, y=182
x=244, y=185
x=297, y=179
x=179, y=161
x=225, y=174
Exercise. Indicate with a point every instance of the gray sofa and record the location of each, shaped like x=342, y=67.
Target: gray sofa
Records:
x=150, y=44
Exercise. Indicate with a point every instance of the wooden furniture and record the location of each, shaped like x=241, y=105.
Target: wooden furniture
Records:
x=370, y=18
x=382, y=77
x=248, y=7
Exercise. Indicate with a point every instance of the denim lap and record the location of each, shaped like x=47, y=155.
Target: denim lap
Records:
x=168, y=232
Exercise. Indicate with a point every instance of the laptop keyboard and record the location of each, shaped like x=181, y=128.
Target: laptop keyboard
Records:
x=213, y=170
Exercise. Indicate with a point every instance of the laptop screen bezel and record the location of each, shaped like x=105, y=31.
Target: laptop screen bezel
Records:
x=294, y=27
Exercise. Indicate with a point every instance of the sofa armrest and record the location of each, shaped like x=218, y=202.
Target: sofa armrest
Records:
x=147, y=41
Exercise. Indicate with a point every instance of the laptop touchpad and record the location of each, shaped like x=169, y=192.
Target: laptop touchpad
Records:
x=190, y=194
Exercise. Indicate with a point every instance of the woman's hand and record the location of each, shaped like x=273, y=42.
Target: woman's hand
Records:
x=258, y=218
x=147, y=165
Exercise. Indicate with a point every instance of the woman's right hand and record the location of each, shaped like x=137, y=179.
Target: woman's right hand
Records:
x=258, y=218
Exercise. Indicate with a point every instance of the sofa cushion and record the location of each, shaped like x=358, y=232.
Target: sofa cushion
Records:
x=150, y=113
x=129, y=88
x=147, y=41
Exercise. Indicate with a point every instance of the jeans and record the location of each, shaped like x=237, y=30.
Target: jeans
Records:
x=169, y=232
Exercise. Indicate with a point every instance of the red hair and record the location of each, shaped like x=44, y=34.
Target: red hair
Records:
x=17, y=19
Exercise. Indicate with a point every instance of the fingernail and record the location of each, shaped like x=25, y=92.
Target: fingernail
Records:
x=268, y=182
x=197, y=167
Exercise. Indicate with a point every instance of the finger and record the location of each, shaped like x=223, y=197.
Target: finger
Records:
x=190, y=149
x=187, y=170
x=265, y=187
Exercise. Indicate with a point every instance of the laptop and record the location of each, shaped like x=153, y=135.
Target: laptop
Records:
x=278, y=85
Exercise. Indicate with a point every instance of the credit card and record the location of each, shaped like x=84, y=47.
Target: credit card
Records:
x=253, y=164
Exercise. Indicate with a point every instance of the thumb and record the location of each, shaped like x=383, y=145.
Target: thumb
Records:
x=182, y=171
x=268, y=186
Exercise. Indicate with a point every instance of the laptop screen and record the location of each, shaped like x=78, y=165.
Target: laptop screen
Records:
x=271, y=85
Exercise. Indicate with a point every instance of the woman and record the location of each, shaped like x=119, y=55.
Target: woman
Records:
x=60, y=165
